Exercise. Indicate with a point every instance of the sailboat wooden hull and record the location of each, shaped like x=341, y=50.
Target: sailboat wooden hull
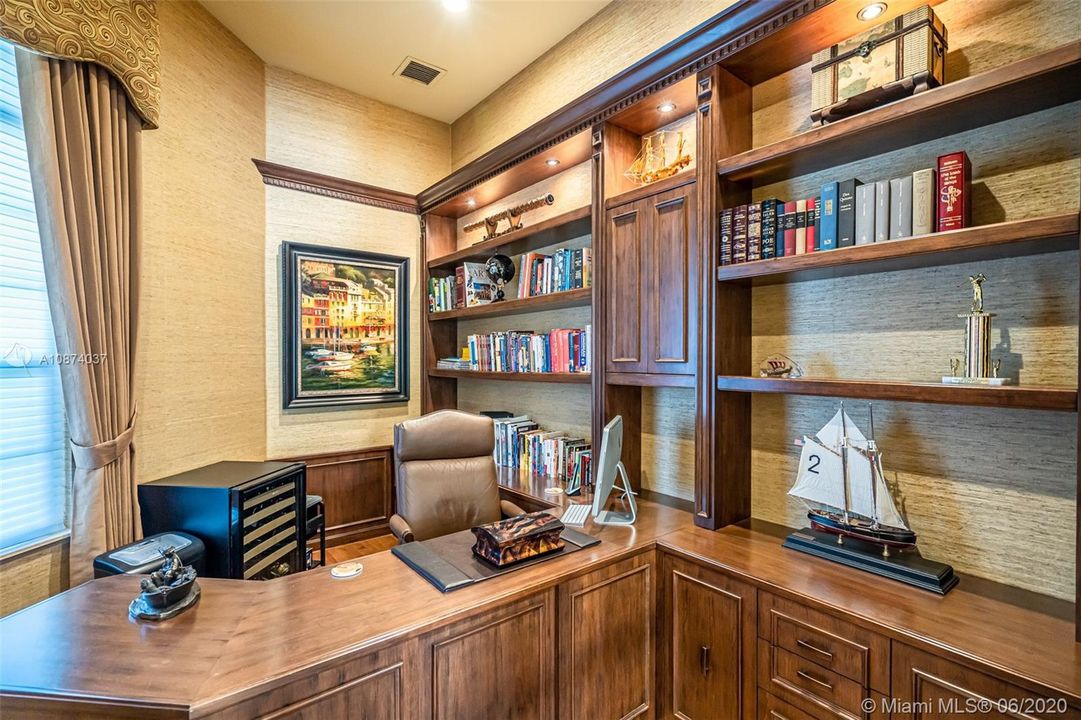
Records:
x=882, y=535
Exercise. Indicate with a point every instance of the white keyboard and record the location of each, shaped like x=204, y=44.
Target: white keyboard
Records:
x=576, y=514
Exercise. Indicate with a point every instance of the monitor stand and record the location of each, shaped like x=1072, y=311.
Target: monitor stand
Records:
x=615, y=517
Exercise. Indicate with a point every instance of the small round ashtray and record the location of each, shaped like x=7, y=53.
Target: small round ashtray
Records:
x=553, y=491
x=347, y=569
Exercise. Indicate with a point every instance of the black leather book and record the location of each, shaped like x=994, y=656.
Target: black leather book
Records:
x=846, y=212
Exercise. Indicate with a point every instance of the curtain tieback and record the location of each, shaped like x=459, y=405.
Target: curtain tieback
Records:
x=92, y=457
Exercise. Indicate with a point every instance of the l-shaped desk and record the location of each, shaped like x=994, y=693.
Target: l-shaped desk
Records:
x=660, y=620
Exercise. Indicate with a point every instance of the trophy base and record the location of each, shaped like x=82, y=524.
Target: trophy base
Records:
x=992, y=381
x=907, y=566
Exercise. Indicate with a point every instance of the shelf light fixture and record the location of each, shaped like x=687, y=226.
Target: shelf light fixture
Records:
x=471, y=202
x=870, y=12
x=666, y=107
x=551, y=162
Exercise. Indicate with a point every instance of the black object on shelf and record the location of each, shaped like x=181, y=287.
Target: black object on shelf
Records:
x=250, y=515
x=315, y=520
x=144, y=556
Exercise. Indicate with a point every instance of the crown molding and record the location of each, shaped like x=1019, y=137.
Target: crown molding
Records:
x=307, y=181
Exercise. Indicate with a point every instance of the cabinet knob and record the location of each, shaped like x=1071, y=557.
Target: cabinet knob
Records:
x=703, y=659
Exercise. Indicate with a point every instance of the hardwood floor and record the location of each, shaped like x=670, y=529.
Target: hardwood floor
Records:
x=350, y=551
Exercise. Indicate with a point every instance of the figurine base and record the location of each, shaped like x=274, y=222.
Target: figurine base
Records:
x=140, y=609
x=992, y=381
x=907, y=566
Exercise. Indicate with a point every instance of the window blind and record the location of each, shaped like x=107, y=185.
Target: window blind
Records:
x=33, y=437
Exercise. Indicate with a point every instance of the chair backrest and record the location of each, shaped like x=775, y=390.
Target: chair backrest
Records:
x=446, y=475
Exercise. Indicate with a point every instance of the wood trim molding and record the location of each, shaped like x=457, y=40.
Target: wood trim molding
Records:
x=744, y=23
x=307, y=181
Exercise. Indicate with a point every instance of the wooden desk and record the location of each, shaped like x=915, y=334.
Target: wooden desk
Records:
x=619, y=624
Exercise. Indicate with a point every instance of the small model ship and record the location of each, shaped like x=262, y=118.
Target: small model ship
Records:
x=840, y=478
x=651, y=163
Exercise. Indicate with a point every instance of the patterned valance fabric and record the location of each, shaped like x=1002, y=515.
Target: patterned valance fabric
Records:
x=119, y=35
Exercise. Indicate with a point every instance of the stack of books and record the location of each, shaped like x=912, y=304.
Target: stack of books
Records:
x=849, y=213
x=565, y=270
x=452, y=363
x=469, y=286
x=522, y=444
x=557, y=351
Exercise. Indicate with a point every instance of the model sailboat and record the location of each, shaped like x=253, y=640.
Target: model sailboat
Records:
x=840, y=479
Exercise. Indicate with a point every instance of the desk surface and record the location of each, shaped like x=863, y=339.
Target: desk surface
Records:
x=246, y=637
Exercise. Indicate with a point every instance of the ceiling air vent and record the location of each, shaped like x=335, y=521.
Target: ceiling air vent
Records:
x=419, y=71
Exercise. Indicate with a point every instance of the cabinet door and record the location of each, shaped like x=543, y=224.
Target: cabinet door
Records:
x=707, y=644
x=606, y=642
x=625, y=238
x=496, y=666
x=927, y=687
x=672, y=282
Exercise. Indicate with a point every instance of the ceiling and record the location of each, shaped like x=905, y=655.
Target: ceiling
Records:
x=358, y=44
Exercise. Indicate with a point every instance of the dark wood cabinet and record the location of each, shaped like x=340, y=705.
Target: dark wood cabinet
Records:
x=357, y=489
x=500, y=665
x=651, y=286
x=706, y=650
x=927, y=687
x=606, y=642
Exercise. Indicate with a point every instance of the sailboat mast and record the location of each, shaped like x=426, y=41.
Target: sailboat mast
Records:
x=844, y=458
x=872, y=450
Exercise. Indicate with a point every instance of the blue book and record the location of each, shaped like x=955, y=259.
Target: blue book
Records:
x=827, y=239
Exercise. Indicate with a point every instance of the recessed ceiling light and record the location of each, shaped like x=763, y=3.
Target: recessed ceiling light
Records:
x=551, y=162
x=471, y=202
x=871, y=11
x=456, y=5
x=666, y=107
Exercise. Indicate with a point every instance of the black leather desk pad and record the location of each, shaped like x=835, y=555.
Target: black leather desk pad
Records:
x=448, y=562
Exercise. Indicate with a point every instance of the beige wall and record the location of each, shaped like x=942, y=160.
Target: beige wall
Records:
x=322, y=128
x=615, y=38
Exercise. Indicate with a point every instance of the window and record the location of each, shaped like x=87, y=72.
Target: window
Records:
x=33, y=436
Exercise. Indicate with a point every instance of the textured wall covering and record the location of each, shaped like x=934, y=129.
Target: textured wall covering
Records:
x=328, y=130
x=119, y=35
x=959, y=471
x=610, y=41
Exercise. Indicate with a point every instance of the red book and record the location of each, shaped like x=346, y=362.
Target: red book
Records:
x=790, y=228
x=954, y=192
x=812, y=241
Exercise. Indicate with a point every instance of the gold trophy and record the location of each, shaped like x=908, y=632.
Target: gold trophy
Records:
x=979, y=368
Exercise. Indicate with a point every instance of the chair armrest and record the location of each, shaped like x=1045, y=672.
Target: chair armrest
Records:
x=401, y=529
x=509, y=509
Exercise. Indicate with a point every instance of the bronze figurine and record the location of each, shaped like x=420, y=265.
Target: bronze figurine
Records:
x=513, y=215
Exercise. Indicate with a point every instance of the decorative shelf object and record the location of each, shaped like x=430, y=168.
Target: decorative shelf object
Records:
x=1031, y=236
x=1030, y=85
x=1032, y=397
x=554, y=230
x=579, y=378
x=516, y=306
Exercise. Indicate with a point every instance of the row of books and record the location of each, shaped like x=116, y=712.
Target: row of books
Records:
x=522, y=444
x=849, y=212
x=469, y=286
x=566, y=269
x=558, y=351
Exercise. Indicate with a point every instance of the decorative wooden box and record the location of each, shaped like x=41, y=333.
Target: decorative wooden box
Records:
x=518, y=538
x=897, y=58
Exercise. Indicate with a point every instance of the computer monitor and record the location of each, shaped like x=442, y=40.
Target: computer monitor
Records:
x=605, y=471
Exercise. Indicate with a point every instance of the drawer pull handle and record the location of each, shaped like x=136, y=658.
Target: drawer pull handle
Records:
x=812, y=648
x=812, y=678
x=703, y=659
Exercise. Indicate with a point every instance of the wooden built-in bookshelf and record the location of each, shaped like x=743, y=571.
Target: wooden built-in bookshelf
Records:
x=516, y=306
x=561, y=228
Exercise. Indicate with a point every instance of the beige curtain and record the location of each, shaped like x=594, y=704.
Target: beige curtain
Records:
x=83, y=137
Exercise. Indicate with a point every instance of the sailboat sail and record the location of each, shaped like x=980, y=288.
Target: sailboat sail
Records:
x=833, y=432
x=820, y=478
x=887, y=511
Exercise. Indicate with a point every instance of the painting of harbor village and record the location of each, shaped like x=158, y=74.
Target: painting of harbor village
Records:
x=346, y=322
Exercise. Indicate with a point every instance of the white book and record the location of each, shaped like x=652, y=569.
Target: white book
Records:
x=865, y=214
x=882, y=211
x=923, y=201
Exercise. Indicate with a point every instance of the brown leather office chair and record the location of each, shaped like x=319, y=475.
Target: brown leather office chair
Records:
x=446, y=475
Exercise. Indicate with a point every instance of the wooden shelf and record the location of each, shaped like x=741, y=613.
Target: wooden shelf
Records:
x=517, y=306
x=1015, y=396
x=560, y=228
x=986, y=242
x=654, y=188
x=581, y=378
x=1036, y=83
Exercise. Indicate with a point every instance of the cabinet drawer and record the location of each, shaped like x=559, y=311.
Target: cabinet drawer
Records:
x=809, y=686
x=827, y=641
x=771, y=707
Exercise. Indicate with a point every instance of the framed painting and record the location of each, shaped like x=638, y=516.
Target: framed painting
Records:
x=345, y=332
